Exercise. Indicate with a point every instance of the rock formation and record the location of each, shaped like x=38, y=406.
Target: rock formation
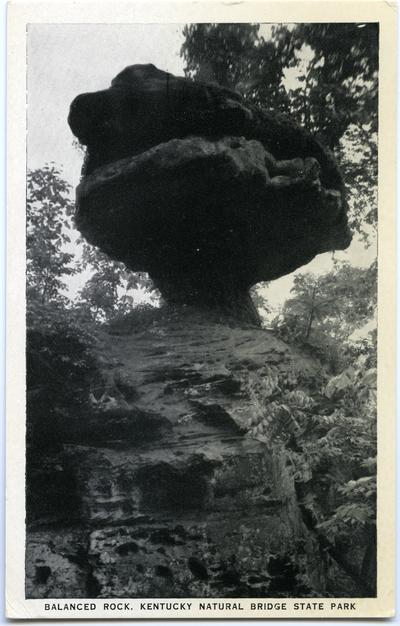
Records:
x=200, y=189
x=182, y=485
x=184, y=489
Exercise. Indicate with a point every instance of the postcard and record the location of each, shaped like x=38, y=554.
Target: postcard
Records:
x=200, y=310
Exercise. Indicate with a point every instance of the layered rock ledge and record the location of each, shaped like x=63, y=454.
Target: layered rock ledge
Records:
x=178, y=483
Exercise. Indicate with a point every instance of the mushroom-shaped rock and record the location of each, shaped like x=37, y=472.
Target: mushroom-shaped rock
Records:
x=207, y=193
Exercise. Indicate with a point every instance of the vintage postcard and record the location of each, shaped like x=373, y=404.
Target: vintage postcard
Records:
x=200, y=310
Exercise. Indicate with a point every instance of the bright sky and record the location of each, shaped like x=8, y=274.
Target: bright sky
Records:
x=67, y=59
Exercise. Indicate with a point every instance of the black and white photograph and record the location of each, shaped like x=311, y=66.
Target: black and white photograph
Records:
x=201, y=316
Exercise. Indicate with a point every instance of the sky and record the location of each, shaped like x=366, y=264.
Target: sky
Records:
x=65, y=60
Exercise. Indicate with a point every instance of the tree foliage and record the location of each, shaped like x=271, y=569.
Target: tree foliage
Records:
x=58, y=346
x=109, y=292
x=235, y=56
x=326, y=310
x=340, y=84
x=325, y=76
x=55, y=252
x=48, y=220
x=327, y=426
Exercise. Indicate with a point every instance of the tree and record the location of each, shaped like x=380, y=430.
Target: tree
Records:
x=48, y=219
x=340, y=90
x=259, y=299
x=340, y=82
x=110, y=291
x=50, y=237
x=59, y=346
x=218, y=52
x=346, y=295
x=235, y=56
x=327, y=428
x=337, y=84
x=325, y=310
x=358, y=156
x=312, y=302
x=333, y=90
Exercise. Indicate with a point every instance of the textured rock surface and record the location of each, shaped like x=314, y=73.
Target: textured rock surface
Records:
x=177, y=482
x=203, y=191
x=197, y=503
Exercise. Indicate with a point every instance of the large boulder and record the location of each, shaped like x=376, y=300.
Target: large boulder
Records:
x=205, y=192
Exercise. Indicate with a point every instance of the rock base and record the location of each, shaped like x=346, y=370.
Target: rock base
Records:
x=173, y=492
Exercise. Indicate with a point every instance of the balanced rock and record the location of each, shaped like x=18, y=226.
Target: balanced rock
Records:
x=207, y=193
